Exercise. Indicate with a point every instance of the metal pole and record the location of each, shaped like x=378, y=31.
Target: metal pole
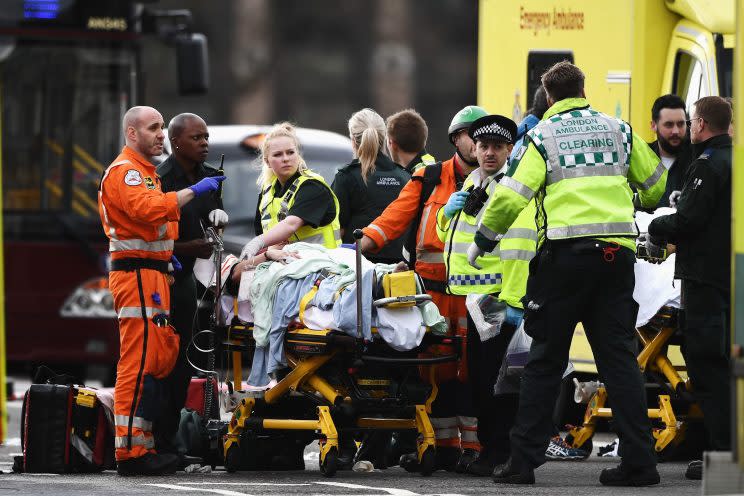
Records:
x=358, y=234
x=3, y=392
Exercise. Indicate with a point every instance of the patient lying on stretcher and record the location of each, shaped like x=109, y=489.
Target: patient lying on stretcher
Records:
x=323, y=282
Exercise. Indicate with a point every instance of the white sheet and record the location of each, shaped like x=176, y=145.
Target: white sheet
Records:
x=655, y=285
x=400, y=327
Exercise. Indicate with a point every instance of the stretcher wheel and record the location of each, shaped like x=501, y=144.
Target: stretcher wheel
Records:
x=232, y=458
x=329, y=466
x=428, y=462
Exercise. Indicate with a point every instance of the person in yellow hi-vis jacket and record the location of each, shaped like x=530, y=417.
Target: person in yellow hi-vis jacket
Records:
x=577, y=163
x=502, y=274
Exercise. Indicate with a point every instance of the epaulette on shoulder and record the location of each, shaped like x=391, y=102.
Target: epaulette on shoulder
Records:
x=211, y=167
x=706, y=154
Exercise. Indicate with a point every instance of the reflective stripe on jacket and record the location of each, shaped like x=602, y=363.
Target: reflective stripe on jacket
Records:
x=581, y=162
x=399, y=215
x=275, y=209
x=505, y=269
x=139, y=219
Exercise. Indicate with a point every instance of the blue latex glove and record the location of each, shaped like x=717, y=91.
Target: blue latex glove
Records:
x=350, y=246
x=206, y=185
x=513, y=316
x=455, y=203
x=176, y=264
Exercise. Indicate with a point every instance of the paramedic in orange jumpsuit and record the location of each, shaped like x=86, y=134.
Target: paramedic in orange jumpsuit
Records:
x=141, y=223
x=452, y=416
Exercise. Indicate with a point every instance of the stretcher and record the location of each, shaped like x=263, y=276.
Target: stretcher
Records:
x=676, y=408
x=335, y=385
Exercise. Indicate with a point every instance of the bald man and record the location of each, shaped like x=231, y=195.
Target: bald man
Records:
x=141, y=224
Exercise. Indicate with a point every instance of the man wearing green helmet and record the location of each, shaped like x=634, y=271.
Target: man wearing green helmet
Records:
x=453, y=417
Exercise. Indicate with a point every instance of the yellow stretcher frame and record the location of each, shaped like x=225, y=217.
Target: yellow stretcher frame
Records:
x=653, y=357
x=303, y=377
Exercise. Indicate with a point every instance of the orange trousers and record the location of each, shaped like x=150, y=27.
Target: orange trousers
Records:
x=148, y=352
x=452, y=412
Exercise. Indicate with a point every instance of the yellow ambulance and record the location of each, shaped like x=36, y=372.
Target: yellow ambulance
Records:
x=632, y=51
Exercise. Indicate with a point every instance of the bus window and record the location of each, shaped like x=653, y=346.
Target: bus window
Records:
x=690, y=81
x=61, y=108
x=539, y=61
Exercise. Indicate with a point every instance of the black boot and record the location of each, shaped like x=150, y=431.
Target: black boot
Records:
x=347, y=449
x=485, y=463
x=511, y=473
x=149, y=464
x=633, y=477
x=695, y=470
x=467, y=458
x=446, y=459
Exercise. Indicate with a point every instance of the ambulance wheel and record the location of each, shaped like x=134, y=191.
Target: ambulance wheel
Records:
x=232, y=458
x=428, y=462
x=329, y=466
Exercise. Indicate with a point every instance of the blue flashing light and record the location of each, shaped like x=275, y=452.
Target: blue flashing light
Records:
x=41, y=9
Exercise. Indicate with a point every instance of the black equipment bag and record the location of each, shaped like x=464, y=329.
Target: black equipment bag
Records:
x=64, y=429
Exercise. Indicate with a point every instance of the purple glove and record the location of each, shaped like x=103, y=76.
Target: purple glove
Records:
x=176, y=264
x=206, y=185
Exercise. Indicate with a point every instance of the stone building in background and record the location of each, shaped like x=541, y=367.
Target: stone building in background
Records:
x=316, y=62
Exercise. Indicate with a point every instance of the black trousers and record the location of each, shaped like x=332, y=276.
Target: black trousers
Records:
x=496, y=414
x=175, y=386
x=570, y=282
x=705, y=326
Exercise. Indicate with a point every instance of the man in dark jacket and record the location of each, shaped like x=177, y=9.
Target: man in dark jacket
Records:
x=672, y=145
x=701, y=231
x=189, y=140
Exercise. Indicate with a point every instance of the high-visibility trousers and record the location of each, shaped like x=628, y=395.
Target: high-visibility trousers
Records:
x=452, y=308
x=148, y=352
x=453, y=415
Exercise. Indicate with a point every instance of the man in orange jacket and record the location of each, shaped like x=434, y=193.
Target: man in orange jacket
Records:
x=141, y=223
x=452, y=416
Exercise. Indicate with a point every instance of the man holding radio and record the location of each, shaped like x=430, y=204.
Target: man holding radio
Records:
x=499, y=283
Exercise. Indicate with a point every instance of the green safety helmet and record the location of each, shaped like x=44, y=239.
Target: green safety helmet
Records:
x=464, y=118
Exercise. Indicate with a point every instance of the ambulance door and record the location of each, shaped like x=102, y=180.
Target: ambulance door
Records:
x=691, y=65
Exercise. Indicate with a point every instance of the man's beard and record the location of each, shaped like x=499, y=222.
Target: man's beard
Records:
x=668, y=147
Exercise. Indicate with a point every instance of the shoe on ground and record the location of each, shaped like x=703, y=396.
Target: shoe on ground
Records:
x=149, y=464
x=401, y=442
x=510, y=473
x=373, y=449
x=467, y=458
x=347, y=450
x=695, y=470
x=186, y=460
x=629, y=477
x=559, y=449
x=485, y=463
x=446, y=459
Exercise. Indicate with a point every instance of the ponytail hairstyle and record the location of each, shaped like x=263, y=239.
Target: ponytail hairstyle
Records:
x=281, y=130
x=367, y=131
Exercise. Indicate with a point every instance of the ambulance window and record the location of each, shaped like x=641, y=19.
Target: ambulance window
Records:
x=537, y=63
x=689, y=78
